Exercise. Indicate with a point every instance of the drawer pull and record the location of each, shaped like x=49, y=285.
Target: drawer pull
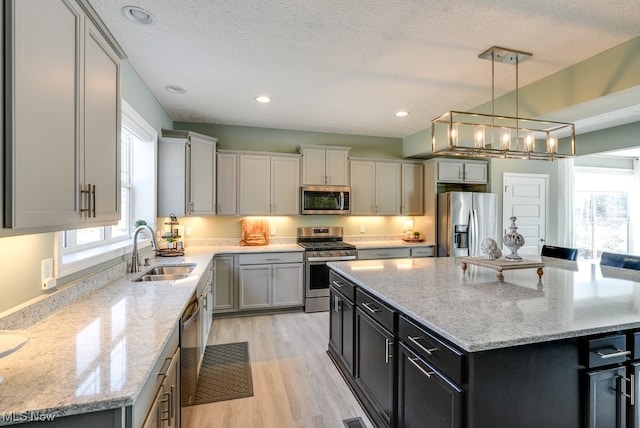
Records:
x=337, y=284
x=415, y=339
x=368, y=306
x=616, y=353
x=414, y=361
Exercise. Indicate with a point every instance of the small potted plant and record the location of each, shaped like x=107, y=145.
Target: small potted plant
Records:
x=416, y=235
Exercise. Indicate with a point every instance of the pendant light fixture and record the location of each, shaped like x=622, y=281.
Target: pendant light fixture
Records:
x=458, y=133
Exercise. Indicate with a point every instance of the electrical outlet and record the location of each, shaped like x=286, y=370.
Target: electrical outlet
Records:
x=47, y=280
x=362, y=228
x=273, y=231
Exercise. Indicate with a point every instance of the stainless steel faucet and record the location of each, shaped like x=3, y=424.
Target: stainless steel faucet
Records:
x=134, y=255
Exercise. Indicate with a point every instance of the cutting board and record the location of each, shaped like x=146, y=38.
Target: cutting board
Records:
x=255, y=232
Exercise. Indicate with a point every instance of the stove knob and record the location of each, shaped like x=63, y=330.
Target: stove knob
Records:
x=331, y=253
x=315, y=254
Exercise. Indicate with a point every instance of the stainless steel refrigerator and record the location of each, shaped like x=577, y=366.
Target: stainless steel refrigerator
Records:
x=464, y=220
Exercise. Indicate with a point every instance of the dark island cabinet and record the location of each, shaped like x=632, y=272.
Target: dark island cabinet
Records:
x=341, y=322
x=375, y=372
x=425, y=395
x=605, y=404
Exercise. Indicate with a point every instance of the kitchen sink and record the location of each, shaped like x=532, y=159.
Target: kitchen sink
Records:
x=159, y=277
x=183, y=269
x=166, y=272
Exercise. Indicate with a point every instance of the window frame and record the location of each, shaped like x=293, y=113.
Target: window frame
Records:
x=592, y=224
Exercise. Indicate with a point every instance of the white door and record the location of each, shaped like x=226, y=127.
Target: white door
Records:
x=525, y=197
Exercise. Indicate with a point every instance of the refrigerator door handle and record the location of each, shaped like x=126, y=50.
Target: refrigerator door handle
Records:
x=473, y=234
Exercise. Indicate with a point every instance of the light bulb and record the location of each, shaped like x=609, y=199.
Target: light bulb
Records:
x=528, y=143
x=479, y=137
x=552, y=144
x=505, y=140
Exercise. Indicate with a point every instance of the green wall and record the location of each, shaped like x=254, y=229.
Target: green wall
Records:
x=286, y=141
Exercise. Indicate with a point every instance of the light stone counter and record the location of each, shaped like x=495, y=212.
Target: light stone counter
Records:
x=96, y=353
x=476, y=313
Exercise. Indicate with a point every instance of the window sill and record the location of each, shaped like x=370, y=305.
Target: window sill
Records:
x=71, y=263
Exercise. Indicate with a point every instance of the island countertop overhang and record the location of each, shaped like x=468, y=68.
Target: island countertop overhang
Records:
x=476, y=313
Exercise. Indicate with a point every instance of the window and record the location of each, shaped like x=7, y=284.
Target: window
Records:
x=82, y=248
x=601, y=211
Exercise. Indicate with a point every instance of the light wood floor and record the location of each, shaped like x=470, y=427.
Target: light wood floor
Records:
x=295, y=384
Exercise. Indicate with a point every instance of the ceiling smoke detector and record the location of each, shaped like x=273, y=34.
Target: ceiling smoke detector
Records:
x=138, y=15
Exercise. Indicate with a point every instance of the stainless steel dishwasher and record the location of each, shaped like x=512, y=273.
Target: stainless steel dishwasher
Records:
x=189, y=337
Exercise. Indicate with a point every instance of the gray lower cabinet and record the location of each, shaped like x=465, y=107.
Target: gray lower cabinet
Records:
x=395, y=252
x=165, y=409
x=224, y=295
x=270, y=280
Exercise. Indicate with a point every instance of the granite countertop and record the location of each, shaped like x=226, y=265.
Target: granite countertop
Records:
x=476, y=313
x=97, y=352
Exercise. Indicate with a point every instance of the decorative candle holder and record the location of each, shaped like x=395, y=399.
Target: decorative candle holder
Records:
x=513, y=241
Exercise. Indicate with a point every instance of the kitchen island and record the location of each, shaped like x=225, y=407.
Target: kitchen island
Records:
x=460, y=349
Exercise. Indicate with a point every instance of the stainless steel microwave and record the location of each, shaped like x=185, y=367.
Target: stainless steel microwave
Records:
x=324, y=200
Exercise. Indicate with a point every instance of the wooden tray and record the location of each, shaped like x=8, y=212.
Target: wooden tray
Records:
x=500, y=265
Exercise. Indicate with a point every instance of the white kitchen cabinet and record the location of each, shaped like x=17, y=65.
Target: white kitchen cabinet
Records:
x=227, y=183
x=268, y=184
x=270, y=280
x=285, y=185
x=287, y=285
x=451, y=171
x=186, y=174
x=63, y=86
x=375, y=188
x=325, y=165
x=224, y=297
x=412, y=189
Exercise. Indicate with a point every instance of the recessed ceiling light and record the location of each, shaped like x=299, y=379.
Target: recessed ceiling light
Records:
x=138, y=15
x=402, y=113
x=175, y=89
x=263, y=99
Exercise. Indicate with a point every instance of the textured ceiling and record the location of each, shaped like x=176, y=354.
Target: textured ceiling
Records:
x=346, y=66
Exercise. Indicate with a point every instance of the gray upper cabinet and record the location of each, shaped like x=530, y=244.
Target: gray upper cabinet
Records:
x=186, y=174
x=62, y=129
x=268, y=184
x=227, y=183
x=325, y=165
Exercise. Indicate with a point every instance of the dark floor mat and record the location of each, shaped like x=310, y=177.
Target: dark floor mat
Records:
x=354, y=423
x=225, y=374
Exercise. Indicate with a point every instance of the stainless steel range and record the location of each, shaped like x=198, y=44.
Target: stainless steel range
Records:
x=322, y=245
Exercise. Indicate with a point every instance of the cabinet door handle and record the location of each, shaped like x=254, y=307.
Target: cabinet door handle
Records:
x=337, y=284
x=387, y=354
x=414, y=361
x=415, y=339
x=337, y=304
x=632, y=389
x=368, y=307
x=172, y=403
x=616, y=353
x=165, y=413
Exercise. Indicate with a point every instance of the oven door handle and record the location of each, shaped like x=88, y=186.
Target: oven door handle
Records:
x=331, y=259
